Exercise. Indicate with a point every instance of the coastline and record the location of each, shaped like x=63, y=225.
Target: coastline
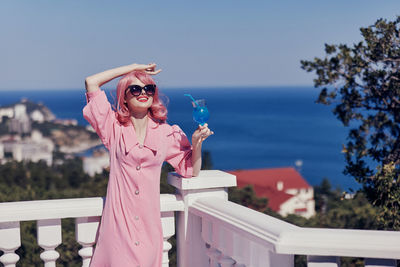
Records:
x=81, y=148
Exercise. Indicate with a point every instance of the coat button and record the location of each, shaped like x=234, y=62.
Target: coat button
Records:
x=137, y=243
x=137, y=192
x=138, y=167
x=136, y=217
x=140, y=146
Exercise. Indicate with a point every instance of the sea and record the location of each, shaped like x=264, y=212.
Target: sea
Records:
x=255, y=127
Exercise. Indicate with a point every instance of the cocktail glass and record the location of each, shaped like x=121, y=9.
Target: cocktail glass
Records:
x=200, y=111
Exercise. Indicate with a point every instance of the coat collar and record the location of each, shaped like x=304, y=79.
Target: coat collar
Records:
x=151, y=140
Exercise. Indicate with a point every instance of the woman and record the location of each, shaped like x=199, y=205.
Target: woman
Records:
x=139, y=141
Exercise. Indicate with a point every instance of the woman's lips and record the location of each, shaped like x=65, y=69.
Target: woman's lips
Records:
x=142, y=99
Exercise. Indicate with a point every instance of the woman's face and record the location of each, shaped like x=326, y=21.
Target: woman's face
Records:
x=140, y=103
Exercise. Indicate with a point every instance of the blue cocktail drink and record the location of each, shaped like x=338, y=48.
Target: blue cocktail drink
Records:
x=200, y=112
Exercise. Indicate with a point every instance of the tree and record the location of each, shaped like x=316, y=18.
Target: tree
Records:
x=363, y=82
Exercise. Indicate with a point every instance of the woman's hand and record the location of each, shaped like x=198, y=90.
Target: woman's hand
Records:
x=149, y=68
x=198, y=137
x=201, y=134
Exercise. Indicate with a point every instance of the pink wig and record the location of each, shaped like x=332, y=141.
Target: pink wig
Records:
x=157, y=111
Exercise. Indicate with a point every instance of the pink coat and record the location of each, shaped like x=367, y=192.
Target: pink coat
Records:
x=130, y=232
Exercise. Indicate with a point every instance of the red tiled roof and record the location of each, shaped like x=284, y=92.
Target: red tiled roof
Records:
x=290, y=178
x=265, y=182
x=275, y=198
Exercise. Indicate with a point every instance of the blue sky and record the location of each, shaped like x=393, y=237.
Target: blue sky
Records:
x=56, y=44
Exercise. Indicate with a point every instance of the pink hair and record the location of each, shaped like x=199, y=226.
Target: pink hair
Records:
x=157, y=111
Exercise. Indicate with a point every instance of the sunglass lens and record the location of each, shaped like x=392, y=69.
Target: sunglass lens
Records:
x=150, y=89
x=136, y=90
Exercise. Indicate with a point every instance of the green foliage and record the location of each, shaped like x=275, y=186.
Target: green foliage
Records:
x=387, y=196
x=363, y=82
x=247, y=197
x=206, y=161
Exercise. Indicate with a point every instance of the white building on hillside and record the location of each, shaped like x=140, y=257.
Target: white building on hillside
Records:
x=37, y=116
x=34, y=148
x=95, y=164
x=6, y=112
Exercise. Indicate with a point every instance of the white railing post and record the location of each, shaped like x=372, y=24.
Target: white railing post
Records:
x=191, y=249
x=49, y=237
x=10, y=240
x=167, y=220
x=85, y=234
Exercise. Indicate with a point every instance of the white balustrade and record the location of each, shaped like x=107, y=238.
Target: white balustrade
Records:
x=225, y=261
x=272, y=242
x=49, y=237
x=213, y=254
x=85, y=234
x=48, y=214
x=191, y=249
x=169, y=204
x=211, y=231
x=9, y=242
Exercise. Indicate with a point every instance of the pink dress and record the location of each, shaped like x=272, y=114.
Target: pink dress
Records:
x=130, y=232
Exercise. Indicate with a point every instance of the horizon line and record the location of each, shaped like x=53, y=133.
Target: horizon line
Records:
x=171, y=87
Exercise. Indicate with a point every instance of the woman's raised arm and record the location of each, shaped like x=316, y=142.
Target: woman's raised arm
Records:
x=94, y=82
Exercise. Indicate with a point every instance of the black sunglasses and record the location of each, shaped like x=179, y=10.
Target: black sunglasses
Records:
x=136, y=90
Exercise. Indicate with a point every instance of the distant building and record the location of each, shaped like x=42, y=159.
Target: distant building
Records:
x=37, y=116
x=33, y=148
x=286, y=190
x=20, y=123
x=66, y=122
x=20, y=111
x=97, y=163
x=6, y=112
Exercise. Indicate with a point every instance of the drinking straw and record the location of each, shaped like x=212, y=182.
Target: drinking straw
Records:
x=189, y=95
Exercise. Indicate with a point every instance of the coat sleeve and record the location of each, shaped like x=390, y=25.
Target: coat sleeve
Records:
x=179, y=152
x=99, y=114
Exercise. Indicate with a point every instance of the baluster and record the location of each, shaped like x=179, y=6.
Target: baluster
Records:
x=323, y=261
x=49, y=237
x=213, y=254
x=168, y=227
x=10, y=240
x=380, y=263
x=85, y=234
x=225, y=261
x=167, y=246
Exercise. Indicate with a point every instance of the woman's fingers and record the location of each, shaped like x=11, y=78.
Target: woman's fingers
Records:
x=153, y=72
x=149, y=68
x=202, y=133
x=152, y=69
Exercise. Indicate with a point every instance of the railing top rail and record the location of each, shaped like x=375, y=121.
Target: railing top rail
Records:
x=206, y=179
x=285, y=238
x=248, y=222
x=68, y=208
x=341, y=242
